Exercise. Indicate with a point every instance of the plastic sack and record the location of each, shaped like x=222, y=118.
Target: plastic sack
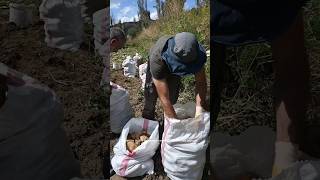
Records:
x=88, y=7
x=104, y=50
x=234, y=155
x=63, y=24
x=137, y=57
x=185, y=111
x=306, y=170
x=106, y=71
x=139, y=161
x=104, y=53
x=120, y=108
x=33, y=143
x=129, y=67
x=183, y=148
x=101, y=20
x=21, y=14
x=143, y=74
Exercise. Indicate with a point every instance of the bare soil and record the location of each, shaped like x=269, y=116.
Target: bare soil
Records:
x=75, y=78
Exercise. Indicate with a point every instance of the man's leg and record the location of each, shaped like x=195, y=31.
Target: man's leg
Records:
x=150, y=96
x=291, y=93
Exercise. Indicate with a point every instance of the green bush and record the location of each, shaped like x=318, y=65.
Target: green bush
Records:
x=196, y=21
x=133, y=32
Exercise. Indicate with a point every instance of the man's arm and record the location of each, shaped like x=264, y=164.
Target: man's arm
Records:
x=201, y=88
x=163, y=93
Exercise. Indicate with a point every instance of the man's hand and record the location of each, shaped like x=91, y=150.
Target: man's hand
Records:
x=201, y=89
x=163, y=93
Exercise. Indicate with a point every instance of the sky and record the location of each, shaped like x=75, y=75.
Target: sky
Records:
x=127, y=10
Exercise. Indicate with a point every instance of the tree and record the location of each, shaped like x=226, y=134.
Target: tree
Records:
x=143, y=13
x=173, y=7
x=159, y=6
x=112, y=19
x=201, y=2
x=198, y=3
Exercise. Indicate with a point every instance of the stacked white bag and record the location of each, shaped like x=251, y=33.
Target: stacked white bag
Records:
x=101, y=20
x=101, y=40
x=129, y=66
x=21, y=14
x=305, y=170
x=143, y=74
x=183, y=148
x=139, y=161
x=137, y=57
x=88, y=7
x=63, y=23
x=120, y=108
x=84, y=9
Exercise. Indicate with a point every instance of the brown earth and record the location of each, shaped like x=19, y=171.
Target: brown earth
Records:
x=74, y=77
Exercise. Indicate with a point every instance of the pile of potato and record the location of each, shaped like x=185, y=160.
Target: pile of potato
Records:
x=136, y=139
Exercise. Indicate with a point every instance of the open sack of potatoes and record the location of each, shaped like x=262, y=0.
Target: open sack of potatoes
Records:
x=137, y=144
x=185, y=141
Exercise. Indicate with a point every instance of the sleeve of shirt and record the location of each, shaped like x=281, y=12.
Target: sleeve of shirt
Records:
x=158, y=69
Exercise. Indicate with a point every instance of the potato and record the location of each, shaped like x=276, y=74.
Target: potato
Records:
x=143, y=138
x=138, y=142
x=135, y=136
x=136, y=139
x=131, y=145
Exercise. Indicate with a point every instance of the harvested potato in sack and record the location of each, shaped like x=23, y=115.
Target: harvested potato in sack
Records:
x=131, y=159
x=184, y=144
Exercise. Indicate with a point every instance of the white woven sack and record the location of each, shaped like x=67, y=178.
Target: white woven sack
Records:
x=129, y=67
x=33, y=142
x=63, y=23
x=21, y=14
x=120, y=108
x=233, y=155
x=101, y=20
x=139, y=161
x=306, y=170
x=183, y=148
x=106, y=71
x=143, y=74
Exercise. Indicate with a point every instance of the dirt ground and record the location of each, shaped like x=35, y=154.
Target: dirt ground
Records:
x=75, y=78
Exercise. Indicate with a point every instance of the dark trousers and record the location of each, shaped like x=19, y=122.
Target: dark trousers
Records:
x=151, y=95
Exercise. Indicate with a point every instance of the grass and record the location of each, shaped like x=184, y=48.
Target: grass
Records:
x=196, y=21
